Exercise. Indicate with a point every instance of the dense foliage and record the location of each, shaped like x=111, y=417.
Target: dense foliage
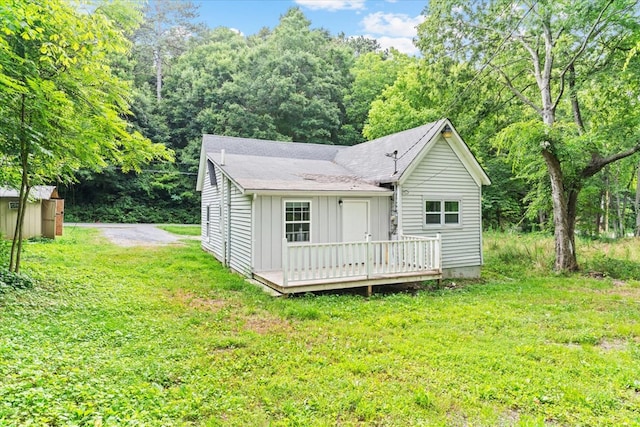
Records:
x=62, y=104
x=297, y=82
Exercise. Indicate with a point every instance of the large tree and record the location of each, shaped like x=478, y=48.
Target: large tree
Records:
x=290, y=87
x=62, y=106
x=554, y=56
x=163, y=35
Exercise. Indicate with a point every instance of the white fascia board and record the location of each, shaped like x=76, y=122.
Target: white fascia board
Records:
x=243, y=190
x=304, y=193
x=461, y=150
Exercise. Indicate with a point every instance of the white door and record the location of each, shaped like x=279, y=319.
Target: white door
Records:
x=355, y=220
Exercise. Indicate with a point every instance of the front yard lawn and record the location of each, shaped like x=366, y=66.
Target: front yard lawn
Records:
x=165, y=336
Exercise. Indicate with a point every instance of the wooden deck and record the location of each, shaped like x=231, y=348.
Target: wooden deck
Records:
x=315, y=267
x=275, y=280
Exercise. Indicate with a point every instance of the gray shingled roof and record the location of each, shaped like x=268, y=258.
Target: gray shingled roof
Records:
x=272, y=165
x=265, y=173
x=370, y=161
x=260, y=147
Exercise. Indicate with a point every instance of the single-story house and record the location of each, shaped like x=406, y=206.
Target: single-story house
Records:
x=44, y=215
x=303, y=217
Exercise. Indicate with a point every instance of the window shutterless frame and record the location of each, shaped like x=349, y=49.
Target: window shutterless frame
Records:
x=441, y=211
x=297, y=220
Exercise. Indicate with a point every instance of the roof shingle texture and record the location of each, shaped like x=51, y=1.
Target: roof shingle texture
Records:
x=272, y=165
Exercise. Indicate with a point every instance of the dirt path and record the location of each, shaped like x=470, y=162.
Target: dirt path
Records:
x=132, y=234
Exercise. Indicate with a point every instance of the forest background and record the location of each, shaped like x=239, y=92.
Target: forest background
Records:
x=298, y=83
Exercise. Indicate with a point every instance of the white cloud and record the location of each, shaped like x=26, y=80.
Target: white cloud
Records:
x=332, y=5
x=391, y=24
x=402, y=44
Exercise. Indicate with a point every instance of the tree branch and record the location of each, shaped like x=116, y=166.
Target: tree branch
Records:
x=515, y=91
x=598, y=162
x=593, y=30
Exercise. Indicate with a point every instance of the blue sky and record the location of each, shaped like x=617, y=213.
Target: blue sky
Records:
x=391, y=22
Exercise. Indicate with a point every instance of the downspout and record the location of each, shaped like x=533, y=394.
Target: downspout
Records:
x=223, y=219
x=398, y=190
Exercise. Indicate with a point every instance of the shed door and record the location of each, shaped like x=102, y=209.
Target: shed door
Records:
x=49, y=219
x=355, y=220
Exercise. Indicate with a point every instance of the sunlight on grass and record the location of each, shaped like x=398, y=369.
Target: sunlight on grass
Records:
x=183, y=230
x=166, y=336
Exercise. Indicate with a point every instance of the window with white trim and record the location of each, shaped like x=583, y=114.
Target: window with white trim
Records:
x=208, y=222
x=441, y=212
x=297, y=221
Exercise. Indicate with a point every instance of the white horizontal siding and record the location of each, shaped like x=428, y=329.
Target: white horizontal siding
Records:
x=442, y=176
x=211, y=197
x=240, y=249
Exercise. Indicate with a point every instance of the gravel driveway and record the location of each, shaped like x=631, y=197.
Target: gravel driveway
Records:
x=133, y=234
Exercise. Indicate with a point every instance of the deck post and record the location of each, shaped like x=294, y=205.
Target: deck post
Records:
x=438, y=251
x=285, y=260
x=369, y=259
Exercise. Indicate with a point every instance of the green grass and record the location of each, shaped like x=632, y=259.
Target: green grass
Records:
x=183, y=230
x=165, y=336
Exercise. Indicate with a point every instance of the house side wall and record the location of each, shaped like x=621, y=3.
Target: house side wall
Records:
x=442, y=176
x=240, y=245
x=32, y=226
x=227, y=234
x=326, y=224
x=211, y=232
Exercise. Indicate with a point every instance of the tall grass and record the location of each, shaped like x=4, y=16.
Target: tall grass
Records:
x=512, y=255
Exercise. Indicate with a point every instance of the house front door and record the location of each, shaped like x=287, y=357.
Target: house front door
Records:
x=355, y=220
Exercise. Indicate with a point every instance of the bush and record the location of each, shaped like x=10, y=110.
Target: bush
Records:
x=613, y=267
x=10, y=280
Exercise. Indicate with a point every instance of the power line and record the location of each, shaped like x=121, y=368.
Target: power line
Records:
x=488, y=61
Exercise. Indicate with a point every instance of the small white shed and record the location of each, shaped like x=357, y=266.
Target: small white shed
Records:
x=303, y=217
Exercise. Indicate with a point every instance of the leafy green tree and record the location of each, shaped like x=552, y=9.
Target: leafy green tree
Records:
x=553, y=56
x=163, y=35
x=290, y=87
x=360, y=45
x=62, y=104
x=195, y=90
x=372, y=73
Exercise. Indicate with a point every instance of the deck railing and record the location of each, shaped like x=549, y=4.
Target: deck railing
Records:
x=408, y=254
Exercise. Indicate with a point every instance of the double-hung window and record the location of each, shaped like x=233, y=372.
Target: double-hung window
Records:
x=297, y=221
x=441, y=212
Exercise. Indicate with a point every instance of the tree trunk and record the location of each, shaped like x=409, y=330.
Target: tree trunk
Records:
x=563, y=224
x=638, y=204
x=16, y=243
x=158, y=58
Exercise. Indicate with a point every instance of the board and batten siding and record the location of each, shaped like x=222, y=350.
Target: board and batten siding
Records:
x=326, y=224
x=442, y=176
x=32, y=226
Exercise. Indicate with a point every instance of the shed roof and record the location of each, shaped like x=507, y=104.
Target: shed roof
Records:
x=38, y=192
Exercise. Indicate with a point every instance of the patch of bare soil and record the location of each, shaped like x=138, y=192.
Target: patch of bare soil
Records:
x=613, y=344
x=259, y=322
x=265, y=323
x=193, y=301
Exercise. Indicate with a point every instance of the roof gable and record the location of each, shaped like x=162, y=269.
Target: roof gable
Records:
x=375, y=159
